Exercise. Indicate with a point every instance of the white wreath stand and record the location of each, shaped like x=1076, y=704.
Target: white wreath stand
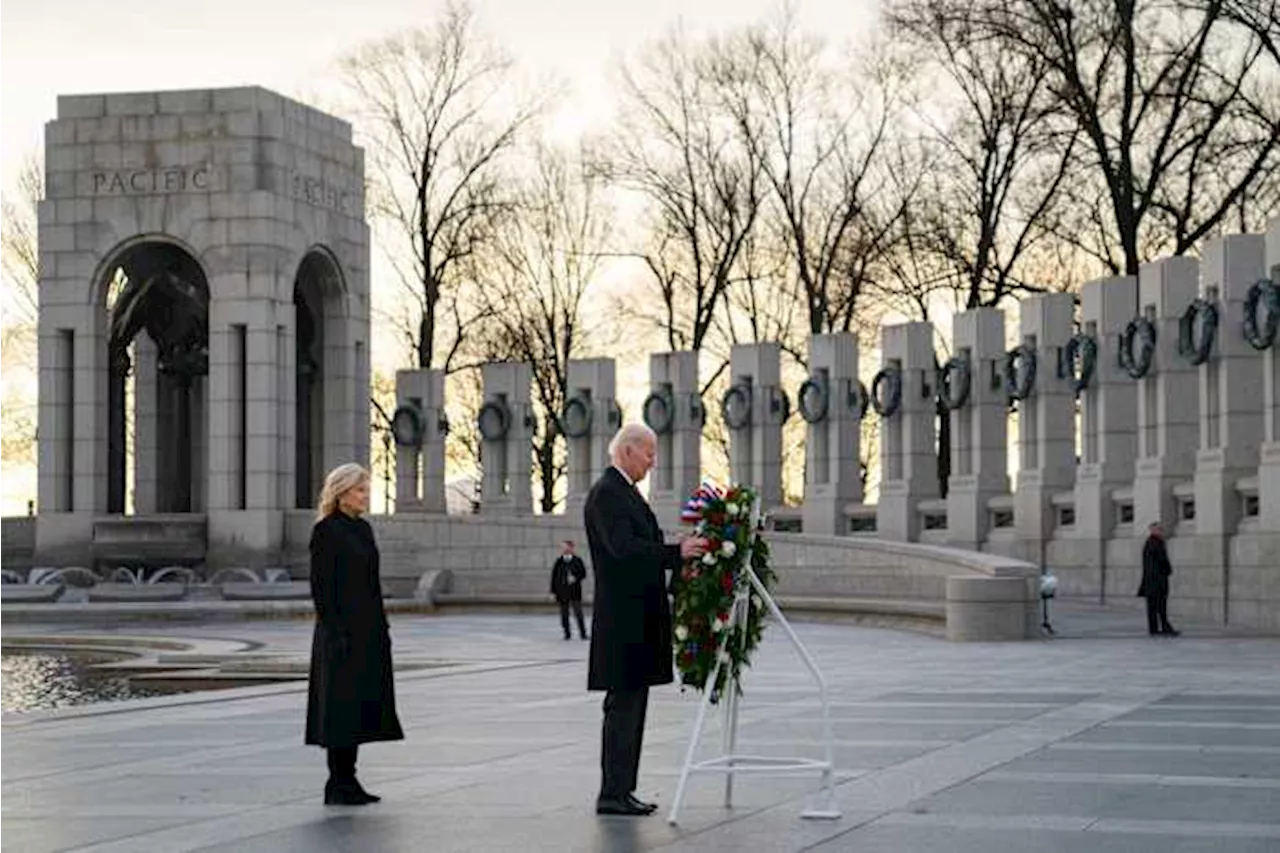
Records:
x=823, y=805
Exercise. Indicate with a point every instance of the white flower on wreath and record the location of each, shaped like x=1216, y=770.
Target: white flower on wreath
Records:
x=728, y=548
x=717, y=626
x=709, y=559
x=682, y=633
x=724, y=657
x=732, y=510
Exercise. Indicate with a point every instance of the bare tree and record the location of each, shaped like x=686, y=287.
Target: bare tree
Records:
x=548, y=254
x=20, y=259
x=678, y=149
x=441, y=117
x=819, y=125
x=1178, y=103
x=20, y=256
x=998, y=158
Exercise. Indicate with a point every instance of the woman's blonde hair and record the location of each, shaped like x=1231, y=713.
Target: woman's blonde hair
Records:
x=340, y=480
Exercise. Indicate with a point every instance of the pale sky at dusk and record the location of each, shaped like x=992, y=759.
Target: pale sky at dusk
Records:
x=52, y=47
x=77, y=46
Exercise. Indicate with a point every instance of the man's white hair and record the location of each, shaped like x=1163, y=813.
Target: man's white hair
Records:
x=629, y=436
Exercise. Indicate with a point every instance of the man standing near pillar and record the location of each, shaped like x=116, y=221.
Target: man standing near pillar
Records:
x=1156, y=570
x=567, y=576
x=630, y=614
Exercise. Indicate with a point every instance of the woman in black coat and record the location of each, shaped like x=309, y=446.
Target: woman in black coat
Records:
x=351, y=697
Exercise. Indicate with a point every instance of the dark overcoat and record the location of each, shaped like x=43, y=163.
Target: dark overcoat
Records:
x=630, y=613
x=567, y=577
x=351, y=695
x=1156, y=569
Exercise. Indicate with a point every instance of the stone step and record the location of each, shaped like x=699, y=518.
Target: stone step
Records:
x=137, y=592
x=31, y=593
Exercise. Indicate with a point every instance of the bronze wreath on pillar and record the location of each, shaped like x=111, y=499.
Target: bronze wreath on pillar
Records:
x=736, y=399
x=408, y=425
x=494, y=420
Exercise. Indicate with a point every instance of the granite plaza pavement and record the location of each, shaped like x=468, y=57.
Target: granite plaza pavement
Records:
x=1102, y=740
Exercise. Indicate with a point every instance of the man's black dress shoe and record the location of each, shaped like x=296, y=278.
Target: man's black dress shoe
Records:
x=621, y=806
x=346, y=795
x=1171, y=632
x=649, y=808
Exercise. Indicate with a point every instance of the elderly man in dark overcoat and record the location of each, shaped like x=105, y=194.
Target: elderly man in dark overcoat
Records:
x=631, y=616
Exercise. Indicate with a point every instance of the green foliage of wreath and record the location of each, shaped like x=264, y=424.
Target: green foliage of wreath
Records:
x=706, y=589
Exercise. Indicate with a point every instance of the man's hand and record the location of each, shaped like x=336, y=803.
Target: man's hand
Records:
x=692, y=547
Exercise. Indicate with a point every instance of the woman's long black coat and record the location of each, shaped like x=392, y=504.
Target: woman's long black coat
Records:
x=351, y=696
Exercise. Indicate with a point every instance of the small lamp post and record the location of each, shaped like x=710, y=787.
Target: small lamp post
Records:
x=1048, y=589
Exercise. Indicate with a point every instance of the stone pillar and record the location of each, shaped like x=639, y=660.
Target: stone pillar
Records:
x=908, y=457
x=1108, y=410
x=1269, y=470
x=979, y=430
x=832, y=442
x=590, y=419
x=1046, y=422
x=237, y=434
x=1168, y=406
x=674, y=410
x=1230, y=405
x=145, y=424
x=507, y=424
x=420, y=463
x=755, y=448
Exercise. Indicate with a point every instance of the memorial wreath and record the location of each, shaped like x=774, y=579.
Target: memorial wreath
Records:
x=707, y=587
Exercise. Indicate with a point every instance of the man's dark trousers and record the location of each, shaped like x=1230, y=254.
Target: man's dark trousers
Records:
x=1158, y=614
x=623, y=736
x=576, y=604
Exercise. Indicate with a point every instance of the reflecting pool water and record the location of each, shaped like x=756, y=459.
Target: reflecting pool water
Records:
x=42, y=680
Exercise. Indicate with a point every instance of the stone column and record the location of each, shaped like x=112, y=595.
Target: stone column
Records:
x=591, y=408
x=674, y=410
x=979, y=430
x=239, y=430
x=1269, y=470
x=1168, y=406
x=1230, y=405
x=420, y=467
x=507, y=426
x=1108, y=409
x=145, y=424
x=832, y=442
x=908, y=458
x=1046, y=422
x=755, y=449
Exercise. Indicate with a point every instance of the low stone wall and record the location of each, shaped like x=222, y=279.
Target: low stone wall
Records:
x=509, y=559
x=1233, y=580
x=17, y=541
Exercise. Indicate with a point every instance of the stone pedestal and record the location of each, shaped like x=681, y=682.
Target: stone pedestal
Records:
x=507, y=423
x=755, y=445
x=1269, y=471
x=589, y=420
x=1046, y=422
x=1108, y=409
x=1168, y=406
x=420, y=466
x=674, y=410
x=833, y=441
x=908, y=457
x=1230, y=405
x=979, y=430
